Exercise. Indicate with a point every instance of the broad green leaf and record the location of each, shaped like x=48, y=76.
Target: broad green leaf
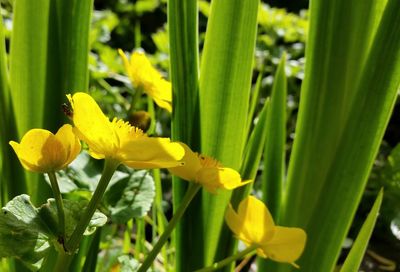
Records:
x=130, y=197
x=26, y=232
x=225, y=81
x=345, y=106
x=356, y=254
x=22, y=234
x=83, y=174
x=73, y=212
x=184, y=74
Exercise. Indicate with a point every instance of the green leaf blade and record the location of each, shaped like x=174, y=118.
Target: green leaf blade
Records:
x=334, y=150
x=183, y=43
x=273, y=176
x=356, y=254
x=225, y=80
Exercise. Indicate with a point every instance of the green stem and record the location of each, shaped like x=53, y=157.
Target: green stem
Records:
x=127, y=237
x=159, y=214
x=136, y=97
x=140, y=237
x=150, y=109
x=59, y=203
x=109, y=168
x=63, y=261
x=191, y=192
x=251, y=249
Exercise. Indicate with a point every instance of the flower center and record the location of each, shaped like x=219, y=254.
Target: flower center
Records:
x=206, y=161
x=124, y=129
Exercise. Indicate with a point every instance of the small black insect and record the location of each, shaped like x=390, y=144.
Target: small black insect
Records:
x=67, y=110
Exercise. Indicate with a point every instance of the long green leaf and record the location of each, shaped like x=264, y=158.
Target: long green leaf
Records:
x=68, y=54
x=49, y=56
x=353, y=260
x=28, y=62
x=28, y=67
x=13, y=179
x=251, y=162
x=74, y=43
x=274, y=153
x=225, y=80
x=183, y=38
x=341, y=123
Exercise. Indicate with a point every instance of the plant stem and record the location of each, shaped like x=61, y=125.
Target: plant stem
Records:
x=251, y=249
x=135, y=99
x=150, y=109
x=59, y=203
x=63, y=261
x=127, y=237
x=161, y=220
x=109, y=168
x=191, y=192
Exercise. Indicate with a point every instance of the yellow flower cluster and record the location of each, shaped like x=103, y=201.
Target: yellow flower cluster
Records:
x=116, y=140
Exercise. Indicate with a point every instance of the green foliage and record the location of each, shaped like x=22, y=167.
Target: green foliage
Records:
x=353, y=260
x=23, y=234
x=130, y=197
x=83, y=174
x=334, y=148
x=225, y=81
x=127, y=263
x=27, y=232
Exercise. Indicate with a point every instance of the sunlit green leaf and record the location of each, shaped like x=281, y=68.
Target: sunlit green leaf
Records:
x=131, y=196
x=353, y=260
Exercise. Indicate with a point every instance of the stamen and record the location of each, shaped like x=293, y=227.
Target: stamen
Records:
x=124, y=128
x=208, y=161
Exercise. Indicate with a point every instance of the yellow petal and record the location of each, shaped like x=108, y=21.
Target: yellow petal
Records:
x=163, y=104
x=92, y=126
x=191, y=167
x=214, y=178
x=145, y=152
x=143, y=75
x=142, y=70
x=258, y=222
x=125, y=61
x=237, y=225
x=70, y=142
x=40, y=151
x=286, y=245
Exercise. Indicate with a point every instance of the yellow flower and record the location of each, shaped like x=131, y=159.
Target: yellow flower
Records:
x=42, y=151
x=118, y=140
x=253, y=224
x=143, y=75
x=207, y=171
